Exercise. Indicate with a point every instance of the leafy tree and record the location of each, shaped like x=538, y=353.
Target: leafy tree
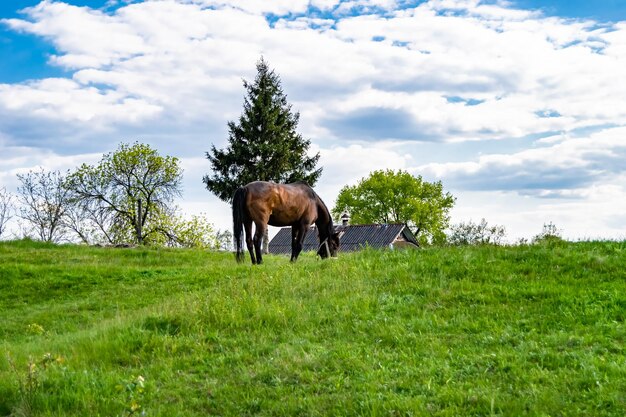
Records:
x=133, y=185
x=43, y=203
x=398, y=197
x=177, y=231
x=6, y=209
x=264, y=144
x=471, y=233
x=224, y=240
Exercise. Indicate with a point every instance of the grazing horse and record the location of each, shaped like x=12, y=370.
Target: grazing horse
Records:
x=295, y=205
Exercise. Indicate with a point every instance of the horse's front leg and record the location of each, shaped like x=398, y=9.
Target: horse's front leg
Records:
x=295, y=244
x=298, y=233
x=259, y=233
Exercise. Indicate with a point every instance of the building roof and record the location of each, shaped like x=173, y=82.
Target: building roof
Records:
x=351, y=237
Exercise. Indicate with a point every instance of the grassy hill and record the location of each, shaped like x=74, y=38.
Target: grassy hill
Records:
x=529, y=330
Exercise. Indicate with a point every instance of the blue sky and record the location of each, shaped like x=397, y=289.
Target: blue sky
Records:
x=603, y=10
x=23, y=56
x=513, y=105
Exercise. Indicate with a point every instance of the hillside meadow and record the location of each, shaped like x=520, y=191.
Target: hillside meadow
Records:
x=531, y=330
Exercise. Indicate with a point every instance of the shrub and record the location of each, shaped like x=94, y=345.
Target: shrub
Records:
x=471, y=233
x=549, y=234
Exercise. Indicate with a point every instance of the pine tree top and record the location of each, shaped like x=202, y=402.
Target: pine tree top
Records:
x=263, y=144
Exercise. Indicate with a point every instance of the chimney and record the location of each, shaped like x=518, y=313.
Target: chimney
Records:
x=345, y=219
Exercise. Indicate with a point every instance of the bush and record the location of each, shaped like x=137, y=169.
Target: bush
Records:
x=471, y=233
x=549, y=234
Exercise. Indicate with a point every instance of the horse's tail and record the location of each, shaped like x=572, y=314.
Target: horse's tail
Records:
x=239, y=201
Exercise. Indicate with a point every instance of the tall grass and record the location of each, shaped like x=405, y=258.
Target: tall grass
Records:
x=529, y=330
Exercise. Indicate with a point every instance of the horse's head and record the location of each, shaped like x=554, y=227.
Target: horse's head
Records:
x=329, y=246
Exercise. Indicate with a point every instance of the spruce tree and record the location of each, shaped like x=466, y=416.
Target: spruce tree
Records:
x=264, y=144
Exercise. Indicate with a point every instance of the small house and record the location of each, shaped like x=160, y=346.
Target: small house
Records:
x=351, y=237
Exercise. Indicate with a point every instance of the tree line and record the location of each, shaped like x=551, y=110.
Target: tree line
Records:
x=128, y=196
x=93, y=206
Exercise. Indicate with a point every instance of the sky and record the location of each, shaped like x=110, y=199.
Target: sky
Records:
x=517, y=107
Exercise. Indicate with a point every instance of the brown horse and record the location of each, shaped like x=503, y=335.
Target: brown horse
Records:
x=295, y=205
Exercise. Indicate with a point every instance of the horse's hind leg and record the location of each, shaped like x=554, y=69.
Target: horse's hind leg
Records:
x=259, y=233
x=248, y=228
x=294, y=242
x=298, y=233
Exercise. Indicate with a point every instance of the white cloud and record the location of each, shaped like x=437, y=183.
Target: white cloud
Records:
x=454, y=71
x=346, y=165
x=176, y=55
x=65, y=100
x=349, y=6
x=324, y=4
x=596, y=216
x=22, y=159
x=277, y=7
x=79, y=30
x=563, y=165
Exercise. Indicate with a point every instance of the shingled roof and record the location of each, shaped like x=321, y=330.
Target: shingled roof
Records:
x=352, y=237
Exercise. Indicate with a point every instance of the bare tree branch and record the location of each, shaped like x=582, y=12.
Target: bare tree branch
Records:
x=6, y=209
x=44, y=202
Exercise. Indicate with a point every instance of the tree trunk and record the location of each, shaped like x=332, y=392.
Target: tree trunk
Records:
x=138, y=225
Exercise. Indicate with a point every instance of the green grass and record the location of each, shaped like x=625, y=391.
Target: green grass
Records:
x=512, y=331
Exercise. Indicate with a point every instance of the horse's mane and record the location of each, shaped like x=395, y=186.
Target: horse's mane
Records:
x=331, y=228
x=314, y=195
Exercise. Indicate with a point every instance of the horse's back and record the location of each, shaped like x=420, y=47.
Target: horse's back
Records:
x=281, y=204
x=267, y=189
